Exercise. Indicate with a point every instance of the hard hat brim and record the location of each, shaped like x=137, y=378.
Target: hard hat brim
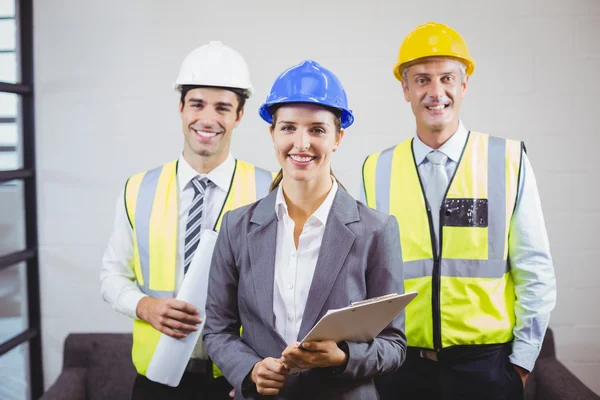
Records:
x=178, y=85
x=346, y=118
x=399, y=66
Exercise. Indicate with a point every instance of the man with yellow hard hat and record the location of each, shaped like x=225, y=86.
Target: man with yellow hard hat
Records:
x=472, y=233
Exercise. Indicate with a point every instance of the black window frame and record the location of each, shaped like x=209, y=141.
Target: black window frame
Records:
x=26, y=174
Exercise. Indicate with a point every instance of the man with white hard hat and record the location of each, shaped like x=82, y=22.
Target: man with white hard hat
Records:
x=161, y=213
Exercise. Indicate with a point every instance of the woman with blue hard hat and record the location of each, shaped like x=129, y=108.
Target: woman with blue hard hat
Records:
x=281, y=263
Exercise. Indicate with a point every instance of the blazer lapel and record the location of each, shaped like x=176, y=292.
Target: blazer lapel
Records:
x=261, y=245
x=336, y=244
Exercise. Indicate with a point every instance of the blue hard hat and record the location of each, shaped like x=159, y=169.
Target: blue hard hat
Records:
x=308, y=82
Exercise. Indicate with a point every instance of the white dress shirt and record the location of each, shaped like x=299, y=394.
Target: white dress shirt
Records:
x=453, y=148
x=118, y=285
x=528, y=249
x=294, y=268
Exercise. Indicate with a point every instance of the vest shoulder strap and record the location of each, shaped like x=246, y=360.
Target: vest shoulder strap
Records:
x=134, y=184
x=376, y=170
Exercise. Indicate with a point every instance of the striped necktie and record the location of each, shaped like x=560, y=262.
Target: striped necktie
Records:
x=194, y=220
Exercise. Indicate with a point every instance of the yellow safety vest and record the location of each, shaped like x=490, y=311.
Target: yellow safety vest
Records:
x=151, y=200
x=466, y=293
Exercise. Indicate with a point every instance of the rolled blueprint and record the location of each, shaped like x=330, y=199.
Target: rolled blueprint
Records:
x=171, y=356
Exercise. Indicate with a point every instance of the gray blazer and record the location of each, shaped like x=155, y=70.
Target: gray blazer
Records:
x=360, y=258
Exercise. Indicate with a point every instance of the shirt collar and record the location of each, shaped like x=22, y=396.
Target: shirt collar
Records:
x=220, y=176
x=452, y=148
x=321, y=214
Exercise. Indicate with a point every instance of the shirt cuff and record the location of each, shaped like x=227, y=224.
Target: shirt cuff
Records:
x=524, y=354
x=129, y=302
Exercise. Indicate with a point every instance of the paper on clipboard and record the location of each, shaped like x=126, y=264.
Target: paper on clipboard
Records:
x=361, y=321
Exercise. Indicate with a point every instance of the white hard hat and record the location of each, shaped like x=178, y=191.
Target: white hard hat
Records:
x=215, y=64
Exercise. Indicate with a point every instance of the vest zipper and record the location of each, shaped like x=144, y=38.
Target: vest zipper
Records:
x=435, y=284
x=437, y=256
x=437, y=267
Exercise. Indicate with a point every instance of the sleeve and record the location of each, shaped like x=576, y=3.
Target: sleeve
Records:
x=222, y=330
x=387, y=351
x=532, y=271
x=117, y=279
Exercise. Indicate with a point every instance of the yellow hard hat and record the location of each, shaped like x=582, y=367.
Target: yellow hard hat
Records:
x=433, y=40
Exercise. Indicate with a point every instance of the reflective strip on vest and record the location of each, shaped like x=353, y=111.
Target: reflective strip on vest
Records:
x=475, y=284
x=457, y=268
x=151, y=200
x=263, y=181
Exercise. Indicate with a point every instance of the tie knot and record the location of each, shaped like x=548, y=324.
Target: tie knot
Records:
x=200, y=184
x=437, y=158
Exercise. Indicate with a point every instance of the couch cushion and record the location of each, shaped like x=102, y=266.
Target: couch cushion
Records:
x=70, y=385
x=111, y=372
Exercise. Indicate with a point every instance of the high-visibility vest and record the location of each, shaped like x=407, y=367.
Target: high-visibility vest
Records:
x=151, y=200
x=466, y=292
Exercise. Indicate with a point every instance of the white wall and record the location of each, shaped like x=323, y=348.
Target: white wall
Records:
x=105, y=109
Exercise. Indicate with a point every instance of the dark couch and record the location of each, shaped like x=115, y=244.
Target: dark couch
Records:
x=98, y=366
x=551, y=380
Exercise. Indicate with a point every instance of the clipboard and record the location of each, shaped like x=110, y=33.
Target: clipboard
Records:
x=360, y=322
